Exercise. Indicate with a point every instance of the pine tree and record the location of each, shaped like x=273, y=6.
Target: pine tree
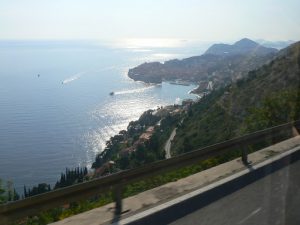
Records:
x=10, y=191
x=25, y=192
x=2, y=193
x=16, y=195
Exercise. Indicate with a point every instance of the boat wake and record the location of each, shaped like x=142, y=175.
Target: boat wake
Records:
x=74, y=77
x=134, y=91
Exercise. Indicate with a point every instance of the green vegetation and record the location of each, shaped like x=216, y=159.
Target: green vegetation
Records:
x=129, y=190
x=136, y=187
x=206, y=124
x=275, y=109
x=2, y=192
x=269, y=96
x=41, y=188
x=71, y=176
x=8, y=193
x=129, y=149
x=124, y=140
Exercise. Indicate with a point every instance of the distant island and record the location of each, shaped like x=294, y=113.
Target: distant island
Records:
x=221, y=65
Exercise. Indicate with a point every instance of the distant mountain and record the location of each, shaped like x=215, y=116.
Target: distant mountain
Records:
x=275, y=44
x=221, y=69
x=244, y=46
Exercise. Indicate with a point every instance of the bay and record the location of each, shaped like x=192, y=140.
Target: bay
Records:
x=55, y=107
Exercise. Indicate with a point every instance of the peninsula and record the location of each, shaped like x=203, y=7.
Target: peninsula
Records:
x=221, y=65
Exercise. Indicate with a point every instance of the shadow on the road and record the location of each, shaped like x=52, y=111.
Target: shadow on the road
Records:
x=250, y=167
x=117, y=218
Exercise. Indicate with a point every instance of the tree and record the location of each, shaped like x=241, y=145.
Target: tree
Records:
x=186, y=145
x=25, y=192
x=8, y=193
x=35, y=190
x=275, y=109
x=140, y=153
x=71, y=176
x=16, y=195
x=2, y=194
x=124, y=162
x=297, y=110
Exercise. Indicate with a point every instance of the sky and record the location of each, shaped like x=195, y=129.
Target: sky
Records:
x=204, y=20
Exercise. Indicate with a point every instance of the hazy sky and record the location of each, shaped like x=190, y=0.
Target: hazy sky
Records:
x=205, y=20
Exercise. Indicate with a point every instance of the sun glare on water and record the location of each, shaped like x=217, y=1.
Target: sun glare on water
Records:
x=141, y=43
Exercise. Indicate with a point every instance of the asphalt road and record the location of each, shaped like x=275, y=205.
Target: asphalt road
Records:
x=168, y=144
x=272, y=200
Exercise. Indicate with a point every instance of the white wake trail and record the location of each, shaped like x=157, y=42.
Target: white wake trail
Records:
x=74, y=77
x=133, y=91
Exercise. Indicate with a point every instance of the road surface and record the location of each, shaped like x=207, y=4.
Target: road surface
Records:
x=272, y=200
x=168, y=144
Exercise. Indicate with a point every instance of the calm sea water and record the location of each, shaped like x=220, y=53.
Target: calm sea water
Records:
x=63, y=117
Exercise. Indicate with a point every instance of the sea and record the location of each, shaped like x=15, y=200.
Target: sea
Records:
x=55, y=108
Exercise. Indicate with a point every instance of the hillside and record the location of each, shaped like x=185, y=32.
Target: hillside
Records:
x=242, y=47
x=268, y=96
x=240, y=58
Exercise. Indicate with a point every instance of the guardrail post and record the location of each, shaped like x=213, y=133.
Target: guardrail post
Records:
x=118, y=199
x=295, y=132
x=245, y=154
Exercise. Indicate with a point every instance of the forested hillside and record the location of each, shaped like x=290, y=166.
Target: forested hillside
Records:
x=266, y=97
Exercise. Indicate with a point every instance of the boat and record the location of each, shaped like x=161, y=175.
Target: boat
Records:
x=112, y=93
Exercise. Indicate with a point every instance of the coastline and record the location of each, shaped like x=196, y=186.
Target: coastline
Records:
x=195, y=93
x=172, y=109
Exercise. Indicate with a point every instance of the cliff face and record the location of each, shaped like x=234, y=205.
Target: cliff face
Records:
x=211, y=66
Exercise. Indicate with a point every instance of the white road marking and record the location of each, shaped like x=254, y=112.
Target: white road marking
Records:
x=250, y=215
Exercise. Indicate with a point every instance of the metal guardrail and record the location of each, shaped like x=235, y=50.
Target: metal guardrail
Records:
x=35, y=204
